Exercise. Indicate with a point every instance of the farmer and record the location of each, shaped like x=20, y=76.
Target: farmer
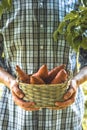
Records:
x=27, y=33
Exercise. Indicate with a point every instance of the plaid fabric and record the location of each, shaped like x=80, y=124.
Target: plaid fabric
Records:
x=28, y=42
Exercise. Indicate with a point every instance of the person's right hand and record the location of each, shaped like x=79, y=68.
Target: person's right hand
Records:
x=14, y=87
x=18, y=95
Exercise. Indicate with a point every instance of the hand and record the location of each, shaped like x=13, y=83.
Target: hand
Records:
x=28, y=106
x=69, y=97
x=17, y=95
x=15, y=88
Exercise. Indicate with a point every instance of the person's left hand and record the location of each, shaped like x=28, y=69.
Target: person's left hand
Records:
x=69, y=97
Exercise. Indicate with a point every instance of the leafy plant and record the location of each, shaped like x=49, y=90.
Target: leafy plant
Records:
x=74, y=28
x=5, y=5
x=83, y=2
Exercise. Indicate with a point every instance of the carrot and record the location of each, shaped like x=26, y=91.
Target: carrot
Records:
x=60, y=77
x=42, y=72
x=36, y=80
x=52, y=73
x=22, y=76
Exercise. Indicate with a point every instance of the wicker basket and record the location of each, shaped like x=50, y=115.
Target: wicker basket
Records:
x=44, y=95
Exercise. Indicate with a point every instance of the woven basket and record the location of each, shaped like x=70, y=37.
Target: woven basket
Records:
x=44, y=95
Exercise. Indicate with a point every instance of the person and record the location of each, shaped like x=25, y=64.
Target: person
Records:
x=27, y=33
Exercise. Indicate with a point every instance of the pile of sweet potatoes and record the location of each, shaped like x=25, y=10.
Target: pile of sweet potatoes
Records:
x=55, y=76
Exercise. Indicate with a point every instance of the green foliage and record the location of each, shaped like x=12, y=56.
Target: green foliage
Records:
x=74, y=28
x=84, y=2
x=5, y=5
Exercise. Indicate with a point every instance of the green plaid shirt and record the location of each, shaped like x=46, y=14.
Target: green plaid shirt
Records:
x=28, y=42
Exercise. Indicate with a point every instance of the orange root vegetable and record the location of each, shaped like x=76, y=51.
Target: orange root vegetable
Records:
x=60, y=77
x=52, y=73
x=36, y=80
x=22, y=76
x=42, y=72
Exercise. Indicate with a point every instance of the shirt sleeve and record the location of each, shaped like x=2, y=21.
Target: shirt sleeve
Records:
x=82, y=57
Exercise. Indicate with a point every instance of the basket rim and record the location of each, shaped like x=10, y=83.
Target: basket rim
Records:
x=60, y=84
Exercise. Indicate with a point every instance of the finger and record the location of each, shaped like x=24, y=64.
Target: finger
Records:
x=69, y=93
x=56, y=108
x=18, y=91
x=30, y=109
x=20, y=102
x=66, y=103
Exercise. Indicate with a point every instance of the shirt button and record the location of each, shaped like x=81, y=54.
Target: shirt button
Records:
x=41, y=47
x=41, y=5
x=41, y=25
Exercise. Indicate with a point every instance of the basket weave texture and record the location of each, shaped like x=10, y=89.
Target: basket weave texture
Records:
x=44, y=95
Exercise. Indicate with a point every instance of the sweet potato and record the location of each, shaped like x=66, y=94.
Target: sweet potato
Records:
x=22, y=76
x=34, y=79
x=42, y=72
x=52, y=73
x=60, y=77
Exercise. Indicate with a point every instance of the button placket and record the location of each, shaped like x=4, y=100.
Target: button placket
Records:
x=41, y=6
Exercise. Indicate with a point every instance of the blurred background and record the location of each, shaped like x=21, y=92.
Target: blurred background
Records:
x=85, y=114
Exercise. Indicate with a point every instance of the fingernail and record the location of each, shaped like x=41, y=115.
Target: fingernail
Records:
x=21, y=95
